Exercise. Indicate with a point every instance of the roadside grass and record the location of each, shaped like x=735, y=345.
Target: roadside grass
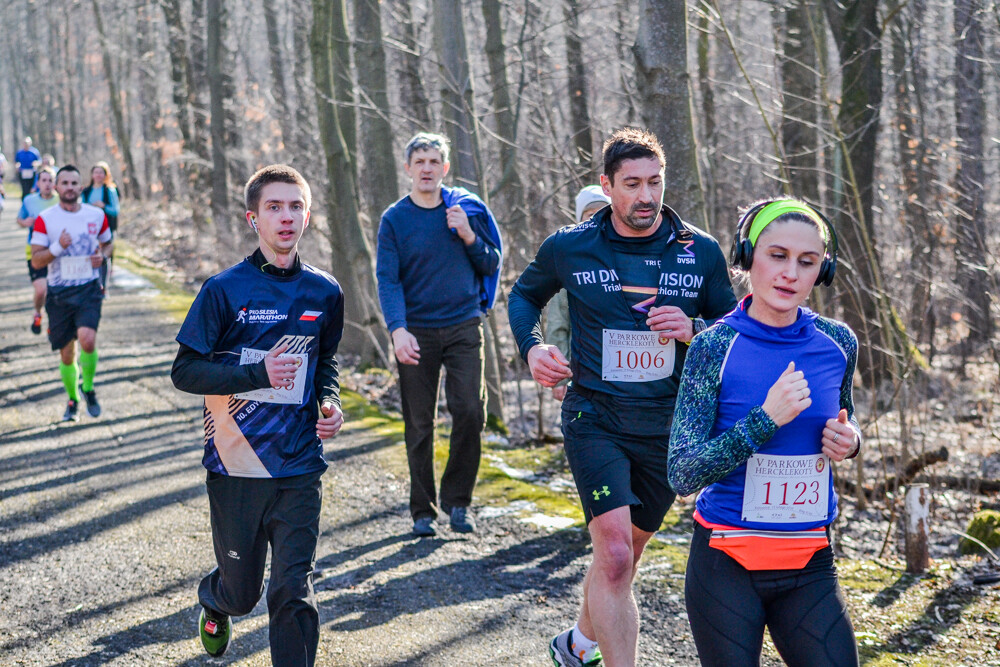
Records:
x=173, y=299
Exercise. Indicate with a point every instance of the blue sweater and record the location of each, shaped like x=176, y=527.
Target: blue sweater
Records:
x=719, y=422
x=427, y=276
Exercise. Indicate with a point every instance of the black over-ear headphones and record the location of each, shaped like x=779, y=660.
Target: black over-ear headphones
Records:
x=741, y=255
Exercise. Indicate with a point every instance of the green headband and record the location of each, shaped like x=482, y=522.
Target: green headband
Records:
x=775, y=210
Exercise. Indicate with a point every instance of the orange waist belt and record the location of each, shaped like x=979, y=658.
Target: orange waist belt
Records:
x=766, y=549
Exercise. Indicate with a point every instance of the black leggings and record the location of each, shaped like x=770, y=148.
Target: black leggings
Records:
x=728, y=607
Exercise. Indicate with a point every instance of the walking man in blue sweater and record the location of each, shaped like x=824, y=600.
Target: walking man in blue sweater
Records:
x=438, y=261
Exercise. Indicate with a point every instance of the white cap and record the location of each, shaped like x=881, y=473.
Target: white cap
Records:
x=590, y=195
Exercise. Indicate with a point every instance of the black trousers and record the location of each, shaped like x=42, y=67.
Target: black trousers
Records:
x=728, y=607
x=459, y=348
x=247, y=514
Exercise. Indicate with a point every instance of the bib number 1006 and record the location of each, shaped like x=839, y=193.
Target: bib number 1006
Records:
x=640, y=360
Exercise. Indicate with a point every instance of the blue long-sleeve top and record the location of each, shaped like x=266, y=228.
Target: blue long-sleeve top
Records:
x=427, y=276
x=96, y=194
x=718, y=419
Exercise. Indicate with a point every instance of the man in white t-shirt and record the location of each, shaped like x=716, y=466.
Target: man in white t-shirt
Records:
x=72, y=240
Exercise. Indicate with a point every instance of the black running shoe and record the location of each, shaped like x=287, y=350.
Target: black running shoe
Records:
x=460, y=520
x=72, y=410
x=93, y=407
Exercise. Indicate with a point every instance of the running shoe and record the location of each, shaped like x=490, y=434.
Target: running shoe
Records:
x=93, y=407
x=461, y=522
x=36, y=324
x=215, y=633
x=561, y=650
x=72, y=410
x=424, y=527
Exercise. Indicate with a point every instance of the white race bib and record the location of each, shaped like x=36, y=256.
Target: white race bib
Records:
x=636, y=356
x=787, y=489
x=75, y=267
x=289, y=395
x=26, y=174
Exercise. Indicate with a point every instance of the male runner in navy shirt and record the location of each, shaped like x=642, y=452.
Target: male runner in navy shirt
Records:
x=641, y=283
x=260, y=343
x=438, y=262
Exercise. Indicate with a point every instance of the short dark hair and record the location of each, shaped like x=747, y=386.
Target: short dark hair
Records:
x=425, y=141
x=66, y=167
x=274, y=173
x=630, y=143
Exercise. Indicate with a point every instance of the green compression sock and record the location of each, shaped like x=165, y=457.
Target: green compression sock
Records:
x=70, y=377
x=88, y=366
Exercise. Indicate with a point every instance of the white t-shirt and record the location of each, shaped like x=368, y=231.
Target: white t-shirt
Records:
x=89, y=229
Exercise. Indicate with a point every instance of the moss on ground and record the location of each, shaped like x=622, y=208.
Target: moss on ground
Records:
x=174, y=300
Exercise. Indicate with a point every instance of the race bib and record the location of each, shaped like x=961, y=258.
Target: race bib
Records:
x=27, y=173
x=75, y=267
x=289, y=395
x=636, y=356
x=787, y=489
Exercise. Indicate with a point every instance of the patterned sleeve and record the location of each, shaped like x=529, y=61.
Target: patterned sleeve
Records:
x=695, y=459
x=845, y=339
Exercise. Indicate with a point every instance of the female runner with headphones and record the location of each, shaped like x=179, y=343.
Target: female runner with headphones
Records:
x=764, y=406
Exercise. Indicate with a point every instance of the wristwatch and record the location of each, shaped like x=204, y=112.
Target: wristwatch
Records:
x=699, y=325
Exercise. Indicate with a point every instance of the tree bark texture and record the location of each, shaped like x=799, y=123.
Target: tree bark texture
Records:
x=276, y=58
x=799, y=103
x=970, y=222
x=216, y=25
x=343, y=84
x=665, y=99
x=379, y=166
x=412, y=96
x=579, y=109
x=364, y=332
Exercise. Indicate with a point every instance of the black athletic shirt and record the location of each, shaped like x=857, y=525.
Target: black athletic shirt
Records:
x=596, y=266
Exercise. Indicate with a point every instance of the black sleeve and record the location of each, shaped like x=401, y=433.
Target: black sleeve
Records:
x=719, y=297
x=530, y=293
x=196, y=373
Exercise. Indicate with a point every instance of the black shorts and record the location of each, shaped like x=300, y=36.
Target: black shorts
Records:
x=35, y=274
x=70, y=308
x=613, y=466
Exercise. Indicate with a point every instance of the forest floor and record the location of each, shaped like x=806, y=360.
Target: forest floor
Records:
x=104, y=530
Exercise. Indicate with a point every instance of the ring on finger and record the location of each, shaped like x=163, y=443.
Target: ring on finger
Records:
x=836, y=436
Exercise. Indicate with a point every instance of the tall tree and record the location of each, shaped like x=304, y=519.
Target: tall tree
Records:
x=579, y=109
x=198, y=82
x=412, y=96
x=462, y=127
x=457, y=94
x=364, y=333
x=665, y=100
x=799, y=89
x=180, y=68
x=216, y=24
x=867, y=309
x=975, y=281
x=130, y=179
x=379, y=167
x=305, y=129
x=149, y=103
x=276, y=58
x=343, y=82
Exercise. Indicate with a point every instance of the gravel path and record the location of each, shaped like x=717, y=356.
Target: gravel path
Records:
x=104, y=529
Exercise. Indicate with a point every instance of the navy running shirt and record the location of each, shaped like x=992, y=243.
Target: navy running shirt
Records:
x=238, y=316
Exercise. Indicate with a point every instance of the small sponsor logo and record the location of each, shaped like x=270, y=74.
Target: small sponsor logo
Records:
x=242, y=316
x=310, y=315
x=688, y=256
x=820, y=464
x=597, y=494
x=92, y=228
x=264, y=316
x=232, y=554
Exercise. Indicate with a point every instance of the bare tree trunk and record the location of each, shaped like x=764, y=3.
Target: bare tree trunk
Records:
x=180, y=71
x=130, y=179
x=343, y=84
x=461, y=125
x=510, y=195
x=215, y=24
x=579, y=112
x=797, y=58
x=457, y=95
x=915, y=161
x=662, y=76
x=364, y=332
x=275, y=54
x=149, y=103
x=305, y=94
x=379, y=166
x=198, y=86
x=971, y=253
x=413, y=97
x=707, y=118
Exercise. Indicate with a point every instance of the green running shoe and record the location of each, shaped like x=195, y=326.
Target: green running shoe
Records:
x=215, y=633
x=563, y=655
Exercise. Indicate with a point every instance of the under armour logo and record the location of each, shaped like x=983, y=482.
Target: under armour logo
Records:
x=597, y=494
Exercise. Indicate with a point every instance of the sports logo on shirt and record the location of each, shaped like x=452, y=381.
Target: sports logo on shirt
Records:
x=92, y=228
x=242, y=315
x=310, y=315
x=688, y=256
